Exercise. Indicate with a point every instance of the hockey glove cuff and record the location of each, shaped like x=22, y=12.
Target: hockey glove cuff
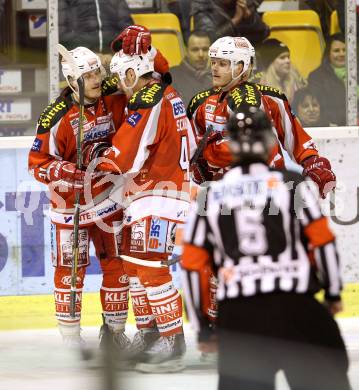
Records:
x=320, y=171
x=66, y=174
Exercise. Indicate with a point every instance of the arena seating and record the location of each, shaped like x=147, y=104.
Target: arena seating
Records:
x=334, y=23
x=166, y=34
x=302, y=33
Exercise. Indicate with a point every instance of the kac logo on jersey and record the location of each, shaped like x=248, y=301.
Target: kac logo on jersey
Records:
x=158, y=235
x=36, y=146
x=133, y=119
x=178, y=107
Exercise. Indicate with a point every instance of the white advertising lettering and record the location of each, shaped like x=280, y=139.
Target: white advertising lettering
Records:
x=10, y=81
x=15, y=110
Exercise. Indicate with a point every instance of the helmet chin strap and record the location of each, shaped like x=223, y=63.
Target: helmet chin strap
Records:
x=87, y=101
x=235, y=79
x=130, y=88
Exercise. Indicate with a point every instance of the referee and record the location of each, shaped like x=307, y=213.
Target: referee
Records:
x=261, y=231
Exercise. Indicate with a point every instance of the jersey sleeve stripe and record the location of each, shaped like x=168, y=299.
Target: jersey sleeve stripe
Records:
x=53, y=149
x=147, y=138
x=287, y=126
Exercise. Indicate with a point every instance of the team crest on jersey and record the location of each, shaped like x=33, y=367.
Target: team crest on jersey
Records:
x=134, y=118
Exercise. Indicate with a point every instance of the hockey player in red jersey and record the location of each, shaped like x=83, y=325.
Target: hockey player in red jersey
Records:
x=231, y=62
x=265, y=238
x=152, y=151
x=52, y=161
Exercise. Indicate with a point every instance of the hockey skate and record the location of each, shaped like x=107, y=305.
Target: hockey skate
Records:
x=71, y=337
x=210, y=358
x=141, y=341
x=117, y=340
x=164, y=355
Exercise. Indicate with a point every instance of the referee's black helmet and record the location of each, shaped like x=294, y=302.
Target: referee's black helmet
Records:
x=251, y=135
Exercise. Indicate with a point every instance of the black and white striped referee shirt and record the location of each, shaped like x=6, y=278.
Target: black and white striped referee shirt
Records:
x=261, y=231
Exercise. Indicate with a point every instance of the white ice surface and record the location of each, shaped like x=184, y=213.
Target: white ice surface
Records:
x=36, y=360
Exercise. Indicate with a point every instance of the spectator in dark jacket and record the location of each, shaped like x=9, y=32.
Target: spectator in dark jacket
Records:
x=181, y=8
x=328, y=81
x=92, y=23
x=193, y=74
x=230, y=18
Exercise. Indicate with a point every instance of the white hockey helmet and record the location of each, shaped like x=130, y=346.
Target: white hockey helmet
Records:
x=234, y=49
x=85, y=59
x=141, y=64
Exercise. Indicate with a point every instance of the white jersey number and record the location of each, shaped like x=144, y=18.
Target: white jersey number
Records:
x=184, y=160
x=252, y=233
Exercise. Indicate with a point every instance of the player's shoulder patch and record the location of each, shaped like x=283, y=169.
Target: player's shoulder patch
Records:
x=245, y=94
x=271, y=91
x=109, y=85
x=147, y=97
x=199, y=98
x=53, y=113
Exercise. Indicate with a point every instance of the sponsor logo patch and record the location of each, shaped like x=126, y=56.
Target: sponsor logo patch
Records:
x=179, y=109
x=36, y=146
x=138, y=237
x=210, y=108
x=66, y=247
x=133, y=119
x=158, y=235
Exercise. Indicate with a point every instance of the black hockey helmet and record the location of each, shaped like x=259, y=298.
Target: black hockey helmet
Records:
x=251, y=134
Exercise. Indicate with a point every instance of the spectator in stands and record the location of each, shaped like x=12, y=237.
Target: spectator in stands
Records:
x=193, y=74
x=181, y=8
x=307, y=108
x=2, y=6
x=278, y=71
x=92, y=23
x=230, y=18
x=324, y=9
x=328, y=81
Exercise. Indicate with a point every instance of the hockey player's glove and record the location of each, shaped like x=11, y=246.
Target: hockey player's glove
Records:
x=202, y=172
x=133, y=39
x=93, y=151
x=320, y=171
x=64, y=173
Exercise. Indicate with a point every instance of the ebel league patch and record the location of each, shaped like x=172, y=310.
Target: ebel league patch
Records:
x=134, y=118
x=36, y=146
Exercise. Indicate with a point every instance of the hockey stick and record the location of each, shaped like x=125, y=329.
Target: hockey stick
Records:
x=201, y=145
x=152, y=263
x=79, y=137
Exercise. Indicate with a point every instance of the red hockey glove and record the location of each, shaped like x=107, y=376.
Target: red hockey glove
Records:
x=202, y=172
x=215, y=136
x=320, y=171
x=66, y=174
x=134, y=39
x=92, y=151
